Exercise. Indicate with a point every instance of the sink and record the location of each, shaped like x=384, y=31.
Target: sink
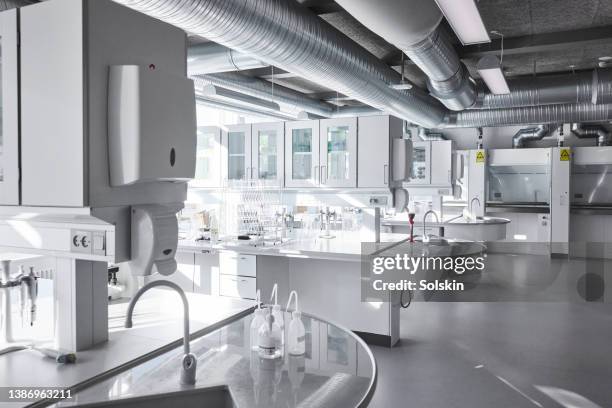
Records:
x=478, y=220
x=477, y=229
x=447, y=247
x=213, y=397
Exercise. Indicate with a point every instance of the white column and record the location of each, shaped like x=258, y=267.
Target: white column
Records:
x=81, y=304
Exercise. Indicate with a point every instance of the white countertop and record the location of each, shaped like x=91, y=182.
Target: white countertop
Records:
x=345, y=246
x=157, y=323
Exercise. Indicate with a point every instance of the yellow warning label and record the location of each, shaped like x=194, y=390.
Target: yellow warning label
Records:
x=480, y=156
x=564, y=155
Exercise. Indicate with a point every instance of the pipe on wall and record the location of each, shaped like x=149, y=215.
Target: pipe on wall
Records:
x=530, y=134
x=601, y=135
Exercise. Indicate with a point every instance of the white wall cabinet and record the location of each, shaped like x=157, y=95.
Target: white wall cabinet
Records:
x=268, y=152
x=374, y=149
x=338, y=152
x=208, y=158
x=236, y=153
x=9, y=165
x=442, y=160
x=302, y=153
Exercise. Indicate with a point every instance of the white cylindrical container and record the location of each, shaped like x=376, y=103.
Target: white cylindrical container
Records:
x=258, y=319
x=269, y=338
x=296, y=340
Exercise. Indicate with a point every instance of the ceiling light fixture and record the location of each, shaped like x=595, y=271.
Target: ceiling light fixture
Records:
x=465, y=19
x=490, y=71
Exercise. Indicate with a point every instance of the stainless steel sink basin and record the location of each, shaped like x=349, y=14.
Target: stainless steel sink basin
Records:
x=213, y=397
x=478, y=220
x=477, y=229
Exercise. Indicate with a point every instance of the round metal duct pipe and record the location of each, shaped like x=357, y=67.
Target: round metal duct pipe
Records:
x=585, y=112
x=530, y=134
x=287, y=35
x=599, y=133
x=216, y=104
x=582, y=87
x=263, y=89
x=210, y=58
x=412, y=26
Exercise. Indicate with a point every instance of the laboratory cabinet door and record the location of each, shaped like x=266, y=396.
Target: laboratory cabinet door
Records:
x=9, y=117
x=338, y=152
x=237, y=153
x=268, y=152
x=302, y=153
x=208, y=157
x=374, y=151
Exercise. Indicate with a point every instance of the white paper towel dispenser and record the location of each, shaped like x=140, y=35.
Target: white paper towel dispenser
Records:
x=151, y=125
x=154, y=240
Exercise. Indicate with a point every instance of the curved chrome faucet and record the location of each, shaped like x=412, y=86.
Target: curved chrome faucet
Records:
x=472, y=204
x=188, y=372
x=425, y=236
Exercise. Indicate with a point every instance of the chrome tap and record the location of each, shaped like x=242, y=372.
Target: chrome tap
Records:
x=327, y=215
x=188, y=370
x=425, y=236
x=28, y=282
x=472, y=204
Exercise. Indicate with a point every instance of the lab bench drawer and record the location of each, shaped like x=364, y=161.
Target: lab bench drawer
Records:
x=233, y=263
x=237, y=286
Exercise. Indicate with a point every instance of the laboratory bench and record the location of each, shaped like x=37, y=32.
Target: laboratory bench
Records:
x=158, y=328
x=337, y=370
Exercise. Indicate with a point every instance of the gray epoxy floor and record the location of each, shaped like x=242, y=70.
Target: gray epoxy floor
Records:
x=499, y=355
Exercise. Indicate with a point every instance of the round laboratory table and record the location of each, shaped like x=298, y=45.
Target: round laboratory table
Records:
x=338, y=370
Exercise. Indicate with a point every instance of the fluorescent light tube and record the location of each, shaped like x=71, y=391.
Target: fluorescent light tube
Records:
x=491, y=73
x=464, y=18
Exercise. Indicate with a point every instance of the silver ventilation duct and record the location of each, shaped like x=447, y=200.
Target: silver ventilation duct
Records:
x=425, y=136
x=584, y=112
x=342, y=112
x=218, y=93
x=260, y=88
x=413, y=27
x=216, y=104
x=530, y=134
x=210, y=58
x=583, y=87
x=599, y=132
x=287, y=35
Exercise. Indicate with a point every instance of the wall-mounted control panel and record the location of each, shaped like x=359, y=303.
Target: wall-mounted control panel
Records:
x=88, y=242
